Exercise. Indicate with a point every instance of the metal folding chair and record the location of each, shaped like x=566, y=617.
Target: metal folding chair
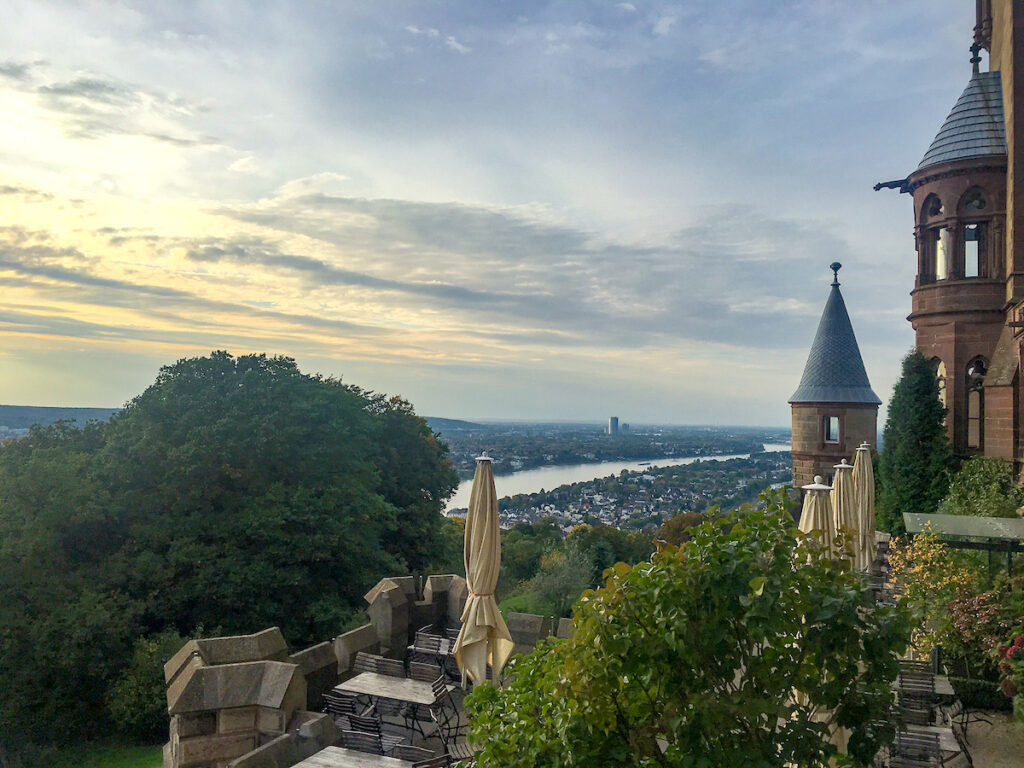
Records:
x=426, y=673
x=441, y=761
x=366, y=662
x=342, y=706
x=917, y=745
x=392, y=667
x=412, y=754
x=372, y=741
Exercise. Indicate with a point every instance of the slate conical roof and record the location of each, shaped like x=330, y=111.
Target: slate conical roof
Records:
x=975, y=127
x=835, y=371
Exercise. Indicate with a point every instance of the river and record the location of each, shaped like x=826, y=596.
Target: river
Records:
x=533, y=480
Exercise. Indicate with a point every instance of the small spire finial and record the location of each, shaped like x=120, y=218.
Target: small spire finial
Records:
x=835, y=266
x=975, y=57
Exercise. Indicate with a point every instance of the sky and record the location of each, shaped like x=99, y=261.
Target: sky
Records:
x=535, y=210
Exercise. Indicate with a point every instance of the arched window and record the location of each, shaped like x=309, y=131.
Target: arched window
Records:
x=973, y=202
x=934, y=245
x=932, y=208
x=940, y=377
x=972, y=233
x=976, y=370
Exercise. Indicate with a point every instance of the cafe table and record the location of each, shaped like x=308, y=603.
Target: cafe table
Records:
x=337, y=757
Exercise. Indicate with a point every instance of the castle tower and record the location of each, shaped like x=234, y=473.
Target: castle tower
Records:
x=966, y=306
x=834, y=408
x=959, y=191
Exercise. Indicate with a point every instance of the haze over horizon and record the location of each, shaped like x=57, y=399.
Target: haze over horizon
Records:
x=561, y=214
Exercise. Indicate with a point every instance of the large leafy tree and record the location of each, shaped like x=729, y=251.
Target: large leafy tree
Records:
x=233, y=494
x=914, y=463
x=694, y=659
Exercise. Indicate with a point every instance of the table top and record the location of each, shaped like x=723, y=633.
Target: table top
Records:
x=947, y=741
x=336, y=757
x=943, y=687
x=388, y=687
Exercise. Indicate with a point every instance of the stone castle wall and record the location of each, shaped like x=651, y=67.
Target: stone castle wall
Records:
x=245, y=702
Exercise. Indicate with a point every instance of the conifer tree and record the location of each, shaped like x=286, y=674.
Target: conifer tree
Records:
x=913, y=466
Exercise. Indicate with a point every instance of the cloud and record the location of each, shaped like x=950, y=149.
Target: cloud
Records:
x=428, y=32
x=16, y=70
x=455, y=45
x=28, y=194
x=725, y=280
x=628, y=7
x=664, y=24
x=91, y=107
x=246, y=164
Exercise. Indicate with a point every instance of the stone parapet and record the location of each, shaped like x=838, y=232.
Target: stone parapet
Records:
x=362, y=639
x=232, y=709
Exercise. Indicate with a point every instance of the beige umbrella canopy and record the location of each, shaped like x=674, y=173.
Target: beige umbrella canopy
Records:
x=817, y=517
x=484, y=638
x=817, y=512
x=844, y=512
x=864, y=499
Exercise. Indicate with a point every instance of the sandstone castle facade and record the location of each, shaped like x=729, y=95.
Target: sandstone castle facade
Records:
x=967, y=305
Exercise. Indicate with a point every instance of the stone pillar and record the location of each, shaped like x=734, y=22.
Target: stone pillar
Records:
x=389, y=614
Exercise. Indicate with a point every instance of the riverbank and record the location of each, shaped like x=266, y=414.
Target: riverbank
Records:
x=541, y=478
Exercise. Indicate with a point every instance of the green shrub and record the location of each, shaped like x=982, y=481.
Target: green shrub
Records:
x=980, y=694
x=137, y=701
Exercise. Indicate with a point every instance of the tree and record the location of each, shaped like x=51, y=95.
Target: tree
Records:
x=930, y=576
x=234, y=494
x=563, y=575
x=692, y=660
x=983, y=487
x=914, y=462
x=677, y=530
x=137, y=701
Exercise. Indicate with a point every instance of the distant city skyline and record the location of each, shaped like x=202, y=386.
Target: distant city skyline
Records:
x=537, y=213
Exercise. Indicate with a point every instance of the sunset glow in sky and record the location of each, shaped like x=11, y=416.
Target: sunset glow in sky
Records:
x=558, y=210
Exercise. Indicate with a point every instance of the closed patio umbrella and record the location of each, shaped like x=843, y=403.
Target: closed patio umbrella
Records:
x=816, y=515
x=864, y=499
x=844, y=512
x=484, y=637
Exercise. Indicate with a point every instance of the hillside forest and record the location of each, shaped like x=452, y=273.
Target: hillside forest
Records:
x=232, y=495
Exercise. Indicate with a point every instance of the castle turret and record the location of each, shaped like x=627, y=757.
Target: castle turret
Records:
x=834, y=408
x=959, y=298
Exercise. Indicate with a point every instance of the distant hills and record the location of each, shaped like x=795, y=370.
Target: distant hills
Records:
x=25, y=416
x=453, y=425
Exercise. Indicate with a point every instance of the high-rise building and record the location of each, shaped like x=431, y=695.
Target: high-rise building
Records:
x=967, y=305
x=834, y=408
x=613, y=425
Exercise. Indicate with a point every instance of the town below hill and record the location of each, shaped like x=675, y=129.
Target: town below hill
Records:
x=520, y=446
x=637, y=500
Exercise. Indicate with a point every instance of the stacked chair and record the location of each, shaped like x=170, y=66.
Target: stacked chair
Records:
x=362, y=723
x=915, y=750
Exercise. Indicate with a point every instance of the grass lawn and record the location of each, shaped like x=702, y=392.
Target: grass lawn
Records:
x=109, y=756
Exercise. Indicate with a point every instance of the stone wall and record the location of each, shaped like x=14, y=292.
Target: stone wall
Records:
x=245, y=702
x=230, y=697
x=811, y=454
